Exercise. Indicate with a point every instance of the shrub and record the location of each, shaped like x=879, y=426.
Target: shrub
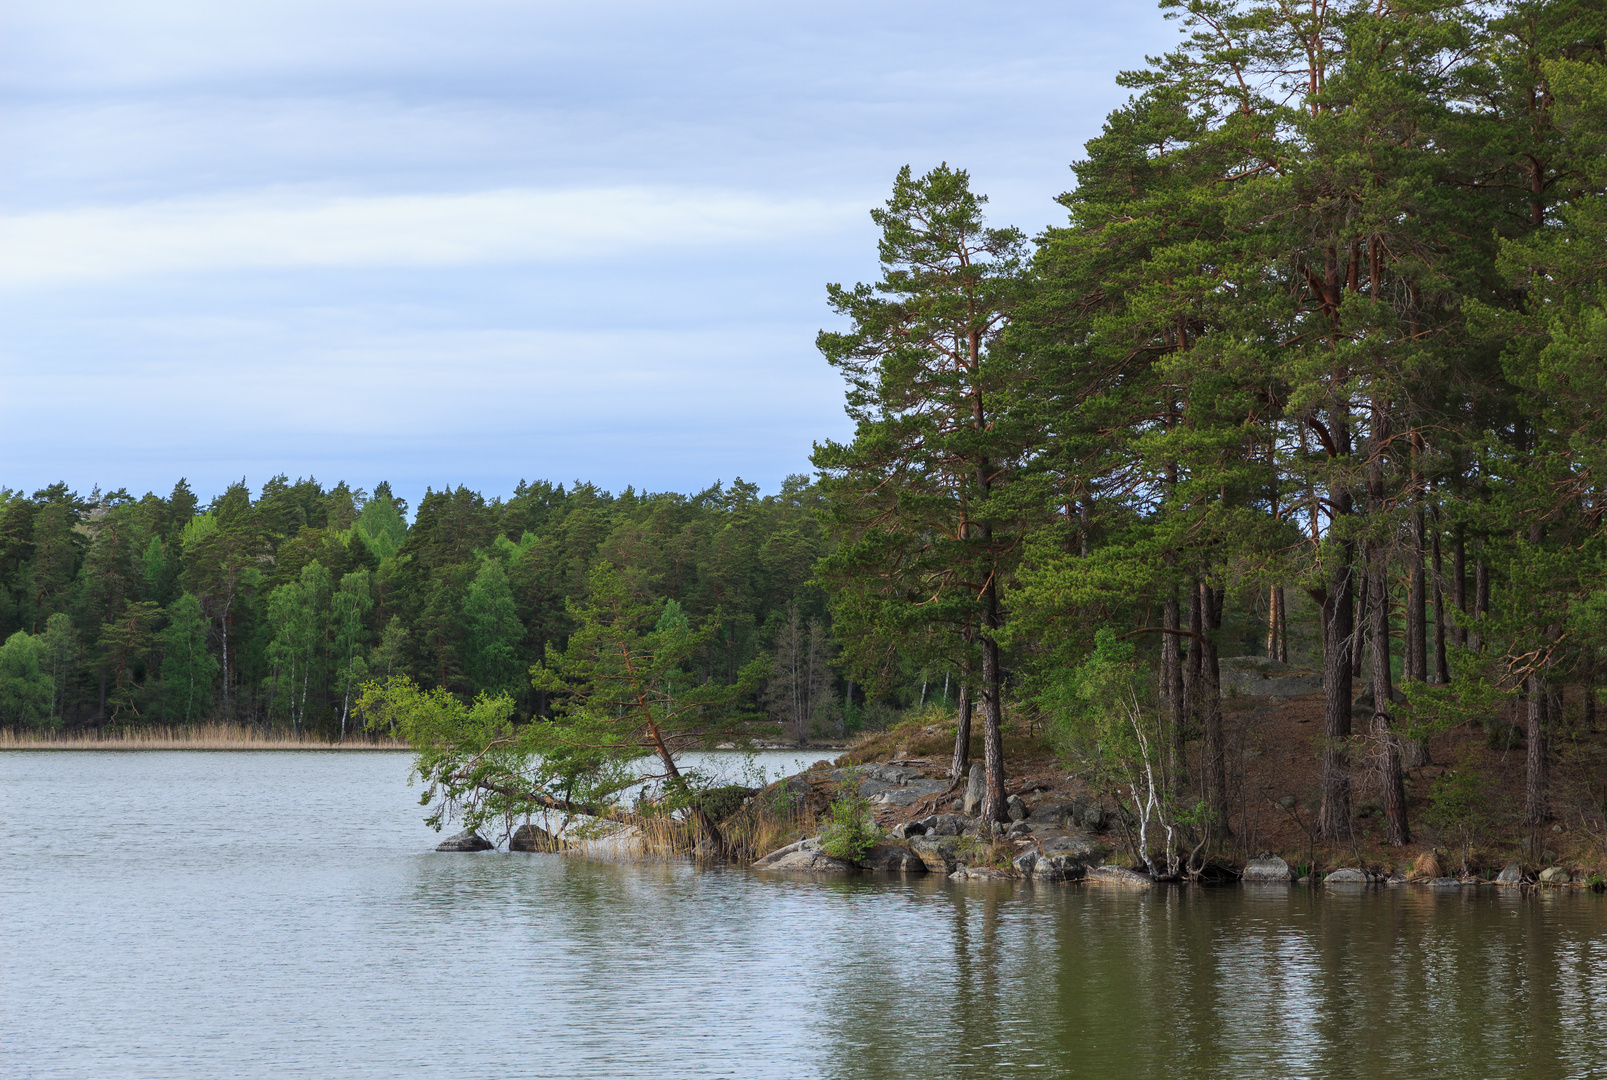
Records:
x=850, y=831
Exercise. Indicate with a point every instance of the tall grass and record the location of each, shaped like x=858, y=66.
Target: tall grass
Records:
x=211, y=736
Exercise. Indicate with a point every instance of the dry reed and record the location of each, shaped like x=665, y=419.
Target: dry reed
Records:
x=213, y=736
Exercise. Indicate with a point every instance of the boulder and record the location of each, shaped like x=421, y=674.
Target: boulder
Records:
x=979, y=873
x=1119, y=875
x=1511, y=874
x=1267, y=867
x=1016, y=807
x=467, y=840
x=1049, y=814
x=1020, y=828
x=892, y=859
x=808, y=843
x=1288, y=802
x=939, y=853
x=1092, y=817
x=807, y=861
x=1555, y=875
x=529, y=837
x=976, y=788
x=1445, y=882
x=1059, y=868
x=1349, y=875
x=1080, y=848
x=1025, y=862
x=908, y=829
x=945, y=824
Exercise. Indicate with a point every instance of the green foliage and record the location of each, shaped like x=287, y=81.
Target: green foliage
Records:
x=25, y=687
x=189, y=670
x=849, y=831
x=1459, y=806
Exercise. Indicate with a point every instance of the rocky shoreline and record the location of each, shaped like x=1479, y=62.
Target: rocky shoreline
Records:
x=1054, y=835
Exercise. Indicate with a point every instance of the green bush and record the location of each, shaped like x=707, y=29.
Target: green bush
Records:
x=849, y=830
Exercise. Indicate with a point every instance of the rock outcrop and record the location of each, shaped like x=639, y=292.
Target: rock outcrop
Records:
x=534, y=838
x=1268, y=869
x=467, y=840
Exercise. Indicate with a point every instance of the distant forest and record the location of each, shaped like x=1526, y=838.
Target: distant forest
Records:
x=274, y=610
x=1315, y=369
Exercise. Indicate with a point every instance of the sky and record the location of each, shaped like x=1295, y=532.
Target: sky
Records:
x=483, y=241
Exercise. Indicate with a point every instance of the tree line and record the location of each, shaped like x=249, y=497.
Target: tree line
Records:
x=276, y=608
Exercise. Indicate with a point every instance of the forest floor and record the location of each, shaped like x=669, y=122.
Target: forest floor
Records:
x=1274, y=751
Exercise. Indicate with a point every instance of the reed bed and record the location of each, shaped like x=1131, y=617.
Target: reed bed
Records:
x=213, y=736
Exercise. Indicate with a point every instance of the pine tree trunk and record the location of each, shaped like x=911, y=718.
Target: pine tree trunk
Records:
x=1191, y=663
x=1442, y=667
x=1459, y=580
x=1536, y=804
x=961, y=764
x=1211, y=703
x=1391, y=782
x=992, y=735
x=1172, y=681
x=1416, y=605
x=1338, y=626
x=1481, y=602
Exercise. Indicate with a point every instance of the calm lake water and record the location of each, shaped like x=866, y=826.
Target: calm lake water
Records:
x=210, y=915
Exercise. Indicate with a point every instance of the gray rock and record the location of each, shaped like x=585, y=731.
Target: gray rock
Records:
x=911, y=793
x=892, y=859
x=1020, y=828
x=1059, y=868
x=1119, y=875
x=1555, y=875
x=1267, y=867
x=1092, y=817
x=807, y=861
x=1446, y=882
x=908, y=829
x=808, y=843
x=1016, y=807
x=529, y=837
x=976, y=788
x=945, y=824
x=1025, y=862
x=467, y=840
x=1349, y=875
x=939, y=853
x=1049, y=814
x=1288, y=802
x=978, y=873
x=1074, y=847
x=1511, y=874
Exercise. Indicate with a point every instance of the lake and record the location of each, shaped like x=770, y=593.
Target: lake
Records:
x=207, y=915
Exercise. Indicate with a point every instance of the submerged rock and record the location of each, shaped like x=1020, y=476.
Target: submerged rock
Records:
x=1555, y=875
x=467, y=840
x=1349, y=875
x=1268, y=868
x=1119, y=875
x=979, y=873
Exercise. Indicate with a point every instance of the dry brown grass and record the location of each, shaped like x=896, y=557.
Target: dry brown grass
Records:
x=199, y=737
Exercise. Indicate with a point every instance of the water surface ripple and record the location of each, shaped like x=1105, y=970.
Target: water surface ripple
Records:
x=203, y=915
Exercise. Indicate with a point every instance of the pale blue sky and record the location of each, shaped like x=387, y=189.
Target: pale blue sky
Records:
x=476, y=241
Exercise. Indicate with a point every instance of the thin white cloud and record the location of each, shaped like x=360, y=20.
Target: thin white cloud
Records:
x=275, y=231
